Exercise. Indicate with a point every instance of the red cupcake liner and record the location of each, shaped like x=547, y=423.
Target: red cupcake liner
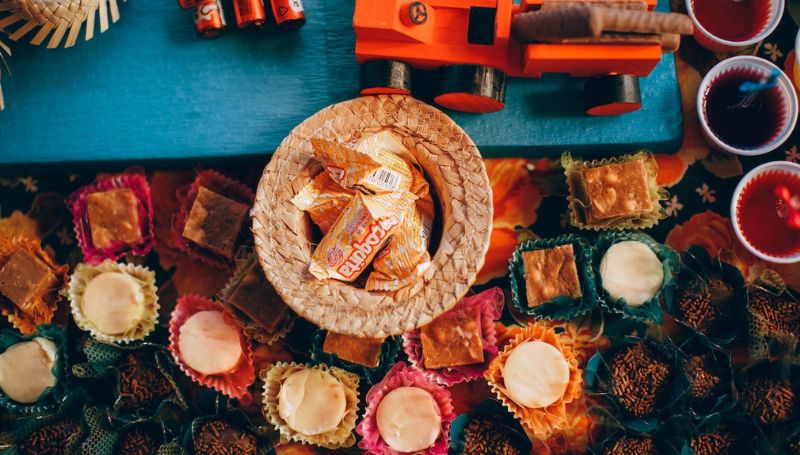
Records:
x=233, y=384
x=77, y=204
x=490, y=304
x=186, y=195
x=403, y=375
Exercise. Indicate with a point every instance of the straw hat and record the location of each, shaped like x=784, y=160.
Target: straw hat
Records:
x=284, y=235
x=61, y=17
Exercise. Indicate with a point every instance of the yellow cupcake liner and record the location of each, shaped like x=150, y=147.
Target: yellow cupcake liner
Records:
x=539, y=423
x=343, y=436
x=657, y=194
x=148, y=315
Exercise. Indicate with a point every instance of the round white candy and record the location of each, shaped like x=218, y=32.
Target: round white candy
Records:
x=209, y=344
x=408, y=419
x=630, y=270
x=112, y=302
x=26, y=369
x=312, y=401
x=536, y=374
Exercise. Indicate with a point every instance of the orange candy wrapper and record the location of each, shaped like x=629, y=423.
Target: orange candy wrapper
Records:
x=367, y=167
x=362, y=229
x=405, y=256
x=324, y=200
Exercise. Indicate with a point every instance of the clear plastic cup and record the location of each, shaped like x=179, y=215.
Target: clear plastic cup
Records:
x=785, y=166
x=764, y=69
x=718, y=44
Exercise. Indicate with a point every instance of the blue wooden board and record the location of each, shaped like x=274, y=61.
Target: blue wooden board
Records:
x=149, y=90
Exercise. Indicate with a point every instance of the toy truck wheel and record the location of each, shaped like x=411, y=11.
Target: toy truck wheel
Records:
x=385, y=77
x=612, y=95
x=471, y=88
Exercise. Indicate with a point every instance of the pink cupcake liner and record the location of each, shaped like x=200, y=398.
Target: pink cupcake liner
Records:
x=233, y=384
x=402, y=375
x=186, y=195
x=490, y=304
x=78, y=202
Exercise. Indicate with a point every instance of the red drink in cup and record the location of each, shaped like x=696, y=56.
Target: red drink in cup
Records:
x=762, y=219
x=750, y=122
x=724, y=25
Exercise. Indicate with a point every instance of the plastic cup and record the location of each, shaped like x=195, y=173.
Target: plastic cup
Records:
x=785, y=166
x=763, y=68
x=719, y=44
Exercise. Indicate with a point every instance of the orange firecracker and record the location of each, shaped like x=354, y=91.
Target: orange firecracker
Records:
x=249, y=13
x=289, y=14
x=209, y=19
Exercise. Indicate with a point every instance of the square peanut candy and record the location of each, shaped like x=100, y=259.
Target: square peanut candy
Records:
x=215, y=221
x=23, y=278
x=616, y=189
x=256, y=299
x=550, y=273
x=113, y=217
x=353, y=349
x=452, y=341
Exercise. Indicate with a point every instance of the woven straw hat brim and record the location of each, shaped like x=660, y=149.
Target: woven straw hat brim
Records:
x=283, y=233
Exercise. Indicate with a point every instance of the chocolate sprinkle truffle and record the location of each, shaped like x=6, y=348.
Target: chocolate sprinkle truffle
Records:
x=767, y=399
x=781, y=314
x=141, y=384
x=639, y=378
x=707, y=306
x=218, y=437
x=631, y=445
x=719, y=442
x=51, y=439
x=701, y=377
x=484, y=435
x=139, y=441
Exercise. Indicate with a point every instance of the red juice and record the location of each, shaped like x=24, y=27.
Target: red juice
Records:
x=750, y=126
x=732, y=20
x=762, y=217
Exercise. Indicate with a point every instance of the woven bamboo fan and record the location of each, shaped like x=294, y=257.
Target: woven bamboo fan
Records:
x=55, y=18
x=285, y=238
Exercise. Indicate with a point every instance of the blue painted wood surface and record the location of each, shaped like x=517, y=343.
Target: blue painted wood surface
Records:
x=149, y=90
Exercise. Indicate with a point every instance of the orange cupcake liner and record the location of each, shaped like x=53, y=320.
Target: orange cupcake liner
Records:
x=233, y=384
x=539, y=423
x=44, y=306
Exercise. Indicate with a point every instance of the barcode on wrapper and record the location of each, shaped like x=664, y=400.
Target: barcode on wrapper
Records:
x=384, y=178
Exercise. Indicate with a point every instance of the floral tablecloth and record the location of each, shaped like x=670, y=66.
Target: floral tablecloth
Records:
x=529, y=201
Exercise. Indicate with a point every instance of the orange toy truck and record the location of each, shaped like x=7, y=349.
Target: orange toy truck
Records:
x=475, y=44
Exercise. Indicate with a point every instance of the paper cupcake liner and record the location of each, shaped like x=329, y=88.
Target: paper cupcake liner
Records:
x=389, y=350
x=146, y=279
x=103, y=437
x=186, y=196
x=103, y=362
x=539, y=423
x=599, y=383
x=273, y=376
x=561, y=307
x=78, y=205
x=697, y=264
x=650, y=310
x=702, y=398
x=47, y=304
x=770, y=336
x=71, y=409
x=251, y=329
x=52, y=397
x=234, y=418
x=233, y=384
x=490, y=304
x=402, y=375
x=572, y=168
x=489, y=408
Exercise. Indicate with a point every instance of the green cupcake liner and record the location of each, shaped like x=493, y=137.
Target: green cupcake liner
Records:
x=52, y=397
x=489, y=407
x=598, y=383
x=561, y=307
x=389, y=350
x=650, y=310
x=766, y=338
x=698, y=264
x=71, y=408
x=103, y=363
x=104, y=438
x=232, y=416
x=718, y=362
